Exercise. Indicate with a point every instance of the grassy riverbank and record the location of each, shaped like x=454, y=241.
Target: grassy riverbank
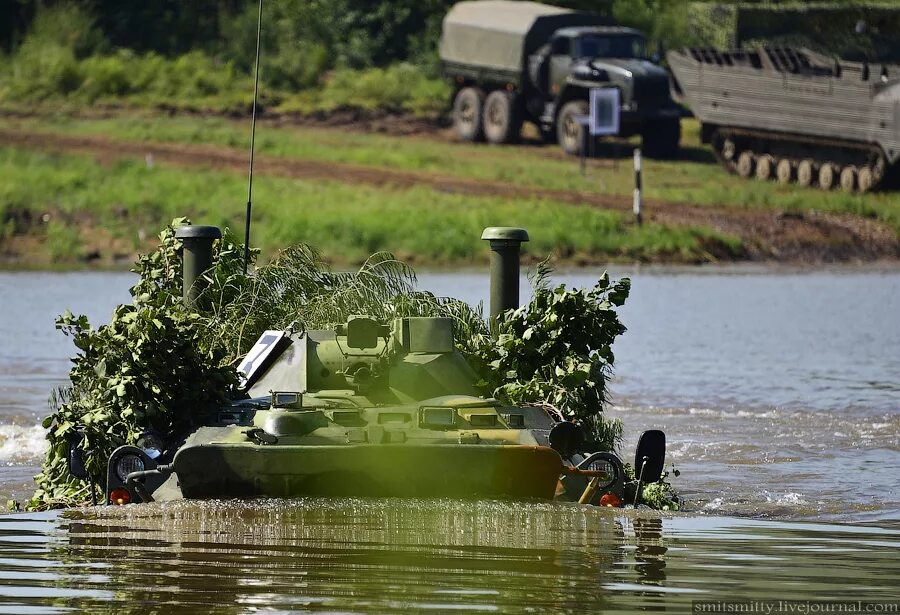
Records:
x=69, y=209
x=695, y=178
x=423, y=195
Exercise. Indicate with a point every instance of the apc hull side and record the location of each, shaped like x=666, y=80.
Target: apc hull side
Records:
x=229, y=470
x=787, y=114
x=838, y=108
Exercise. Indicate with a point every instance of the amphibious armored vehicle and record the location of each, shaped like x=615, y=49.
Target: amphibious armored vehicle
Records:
x=794, y=115
x=370, y=409
x=523, y=61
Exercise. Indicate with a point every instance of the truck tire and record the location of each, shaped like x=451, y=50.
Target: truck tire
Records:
x=502, y=120
x=569, y=133
x=660, y=139
x=468, y=114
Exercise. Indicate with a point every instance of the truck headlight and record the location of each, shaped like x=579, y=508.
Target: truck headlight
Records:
x=128, y=463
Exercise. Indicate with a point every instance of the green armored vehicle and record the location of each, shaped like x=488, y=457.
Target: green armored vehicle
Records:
x=370, y=409
x=794, y=115
x=512, y=62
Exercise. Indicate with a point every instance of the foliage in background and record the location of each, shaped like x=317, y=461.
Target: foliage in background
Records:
x=319, y=55
x=159, y=367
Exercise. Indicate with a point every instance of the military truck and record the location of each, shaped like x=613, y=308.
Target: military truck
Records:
x=793, y=115
x=370, y=409
x=512, y=62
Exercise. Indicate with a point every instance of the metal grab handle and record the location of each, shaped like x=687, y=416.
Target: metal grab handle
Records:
x=132, y=484
x=637, y=492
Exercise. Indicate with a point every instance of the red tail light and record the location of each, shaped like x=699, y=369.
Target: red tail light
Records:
x=119, y=495
x=611, y=499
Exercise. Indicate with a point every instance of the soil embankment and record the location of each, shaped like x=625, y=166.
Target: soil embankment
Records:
x=767, y=235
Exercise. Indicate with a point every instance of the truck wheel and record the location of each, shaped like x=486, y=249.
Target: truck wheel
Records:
x=569, y=132
x=660, y=139
x=468, y=114
x=502, y=120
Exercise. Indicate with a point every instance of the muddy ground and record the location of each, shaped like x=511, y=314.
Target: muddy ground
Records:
x=767, y=235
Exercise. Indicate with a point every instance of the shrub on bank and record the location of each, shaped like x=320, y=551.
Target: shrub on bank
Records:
x=401, y=87
x=64, y=60
x=197, y=81
x=53, y=73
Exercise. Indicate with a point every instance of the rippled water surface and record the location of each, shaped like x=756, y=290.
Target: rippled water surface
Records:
x=395, y=556
x=779, y=392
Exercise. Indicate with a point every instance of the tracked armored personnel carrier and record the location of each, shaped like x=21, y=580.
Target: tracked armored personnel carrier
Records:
x=794, y=115
x=371, y=409
x=512, y=62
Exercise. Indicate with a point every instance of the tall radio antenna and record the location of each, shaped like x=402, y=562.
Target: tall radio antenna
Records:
x=252, y=145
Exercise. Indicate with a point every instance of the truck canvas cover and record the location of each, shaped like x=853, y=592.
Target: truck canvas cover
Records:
x=500, y=34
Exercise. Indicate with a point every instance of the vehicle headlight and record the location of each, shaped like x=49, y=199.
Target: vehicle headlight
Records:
x=128, y=463
x=609, y=473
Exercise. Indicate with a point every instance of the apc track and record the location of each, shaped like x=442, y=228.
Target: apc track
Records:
x=792, y=115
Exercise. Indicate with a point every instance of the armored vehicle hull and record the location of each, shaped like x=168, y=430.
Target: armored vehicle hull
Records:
x=792, y=115
x=368, y=409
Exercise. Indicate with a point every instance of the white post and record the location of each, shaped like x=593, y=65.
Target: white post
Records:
x=637, y=186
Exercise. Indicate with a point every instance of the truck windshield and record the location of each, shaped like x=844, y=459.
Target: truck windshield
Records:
x=606, y=46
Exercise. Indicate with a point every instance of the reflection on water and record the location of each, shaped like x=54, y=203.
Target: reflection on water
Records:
x=401, y=555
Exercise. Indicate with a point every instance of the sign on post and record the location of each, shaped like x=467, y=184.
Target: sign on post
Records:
x=604, y=111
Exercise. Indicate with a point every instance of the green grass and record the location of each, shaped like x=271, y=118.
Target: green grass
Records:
x=346, y=222
x=698, y=182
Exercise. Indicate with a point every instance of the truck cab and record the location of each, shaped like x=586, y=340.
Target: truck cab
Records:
x=580, y=58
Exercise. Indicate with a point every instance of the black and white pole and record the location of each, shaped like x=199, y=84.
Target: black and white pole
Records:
x=637, y=186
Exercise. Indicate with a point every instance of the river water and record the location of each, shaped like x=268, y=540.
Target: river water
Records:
x=779, y=392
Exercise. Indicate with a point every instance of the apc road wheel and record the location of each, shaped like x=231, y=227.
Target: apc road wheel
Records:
x=765, y=167
x=827, y=176
x=468, y=114
x=569, y=132
x=729, y=150
x=502, y=121
x=865, y=179
x=784, y=171
x=848, y=179
x=806, y=173
x=746, y=164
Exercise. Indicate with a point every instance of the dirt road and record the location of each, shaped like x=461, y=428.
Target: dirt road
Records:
x=766, y=234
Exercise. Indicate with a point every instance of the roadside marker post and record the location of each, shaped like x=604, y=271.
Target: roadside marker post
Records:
x=585, y=122
x=637, y=186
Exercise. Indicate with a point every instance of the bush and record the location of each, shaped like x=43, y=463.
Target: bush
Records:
x=40, y=71
x=105, y=76
x=401, y=87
